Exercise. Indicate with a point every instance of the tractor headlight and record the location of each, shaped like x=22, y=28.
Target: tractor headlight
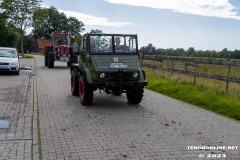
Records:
x=135, y=75
x=102, y=75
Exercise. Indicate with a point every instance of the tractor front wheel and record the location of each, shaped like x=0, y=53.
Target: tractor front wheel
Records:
x=85, y=91
x=135, y=94
x=117, y=91
x=50, y=59
x=74, y=85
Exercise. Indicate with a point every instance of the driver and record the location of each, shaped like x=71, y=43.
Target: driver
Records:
x=61, y=41
x=118, y=47
x=93, y=47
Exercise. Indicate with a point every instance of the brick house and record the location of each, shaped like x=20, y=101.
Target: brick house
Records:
x=42, y=43
x=38, y=45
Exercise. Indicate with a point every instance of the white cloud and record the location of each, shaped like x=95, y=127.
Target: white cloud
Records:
x=92, y=20
x=213, y=8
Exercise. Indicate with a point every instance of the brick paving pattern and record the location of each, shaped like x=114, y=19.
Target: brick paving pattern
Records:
x=16, y=101
x=47, y=122
x=110, y=129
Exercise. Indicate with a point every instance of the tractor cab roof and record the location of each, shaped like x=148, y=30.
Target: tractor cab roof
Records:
x=107, y=34
x=61, y=34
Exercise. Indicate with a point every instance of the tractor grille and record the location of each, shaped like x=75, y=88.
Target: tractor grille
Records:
x=119, y=77
x=103, y=62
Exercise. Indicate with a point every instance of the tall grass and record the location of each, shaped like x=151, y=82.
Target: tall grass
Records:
x=201, y=95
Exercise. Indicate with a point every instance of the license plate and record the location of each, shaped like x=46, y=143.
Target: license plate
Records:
x=3, y=66
x=117, y=65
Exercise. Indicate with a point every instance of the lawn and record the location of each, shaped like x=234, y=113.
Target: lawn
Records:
x=204, y=94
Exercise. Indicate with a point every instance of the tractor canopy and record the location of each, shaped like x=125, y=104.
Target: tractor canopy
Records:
x=60, y=38
x=110, y=44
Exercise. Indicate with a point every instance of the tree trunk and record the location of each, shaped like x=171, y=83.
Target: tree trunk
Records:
x=22, y=51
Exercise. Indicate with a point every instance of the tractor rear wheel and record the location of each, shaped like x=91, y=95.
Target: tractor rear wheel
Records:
x=50, y=59
x=135, y=94
x=74, y=85
x=85, y=91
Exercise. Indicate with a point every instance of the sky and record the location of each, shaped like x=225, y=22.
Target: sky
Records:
x=202, y=24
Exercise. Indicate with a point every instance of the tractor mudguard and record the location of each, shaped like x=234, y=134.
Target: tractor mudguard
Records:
x=89, y=75
x=74, y=69
x=142, y=75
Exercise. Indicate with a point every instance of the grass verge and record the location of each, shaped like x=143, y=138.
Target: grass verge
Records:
x=27, y=56
x=36, y=53
x=207, y=98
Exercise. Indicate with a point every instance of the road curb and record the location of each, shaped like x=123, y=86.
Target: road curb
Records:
x=36, y=137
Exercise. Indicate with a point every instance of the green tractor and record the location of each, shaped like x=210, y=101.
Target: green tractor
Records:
x=108, y=62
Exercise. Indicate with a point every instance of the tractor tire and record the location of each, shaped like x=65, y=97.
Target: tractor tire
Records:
x=72, y=60
x=85, y=91
x=17, y=73
x=69, y=63
x=50, y=59
x=117, y=92
x=46, y=58
x=135, y=94
x=75, y=59
x=74, y=85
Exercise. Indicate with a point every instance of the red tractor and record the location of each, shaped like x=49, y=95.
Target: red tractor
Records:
x=59, y=50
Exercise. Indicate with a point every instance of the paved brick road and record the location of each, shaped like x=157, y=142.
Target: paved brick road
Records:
x=16, y=101
x=110, y=129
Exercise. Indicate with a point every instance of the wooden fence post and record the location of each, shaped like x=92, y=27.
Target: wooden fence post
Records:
x=171, y=67
x=195, y=77
x=227, y=82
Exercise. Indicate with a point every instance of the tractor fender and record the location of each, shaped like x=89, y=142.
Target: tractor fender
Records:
x=88, y=74
x=142, y=75
x=74, y=69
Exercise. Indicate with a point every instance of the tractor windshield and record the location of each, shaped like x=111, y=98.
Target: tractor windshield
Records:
x=113, y=44
x=60, y=40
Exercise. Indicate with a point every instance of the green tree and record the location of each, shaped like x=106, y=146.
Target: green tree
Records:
x=78, y=39
x=8, y=34
x=74, y=26
x=145, y=50
x=19, y=13
x=225, y=53
x=27, y=43
x=190, y=51
x=40, y=22
x=48, y=20
x=96, y=31
x=180, y=51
